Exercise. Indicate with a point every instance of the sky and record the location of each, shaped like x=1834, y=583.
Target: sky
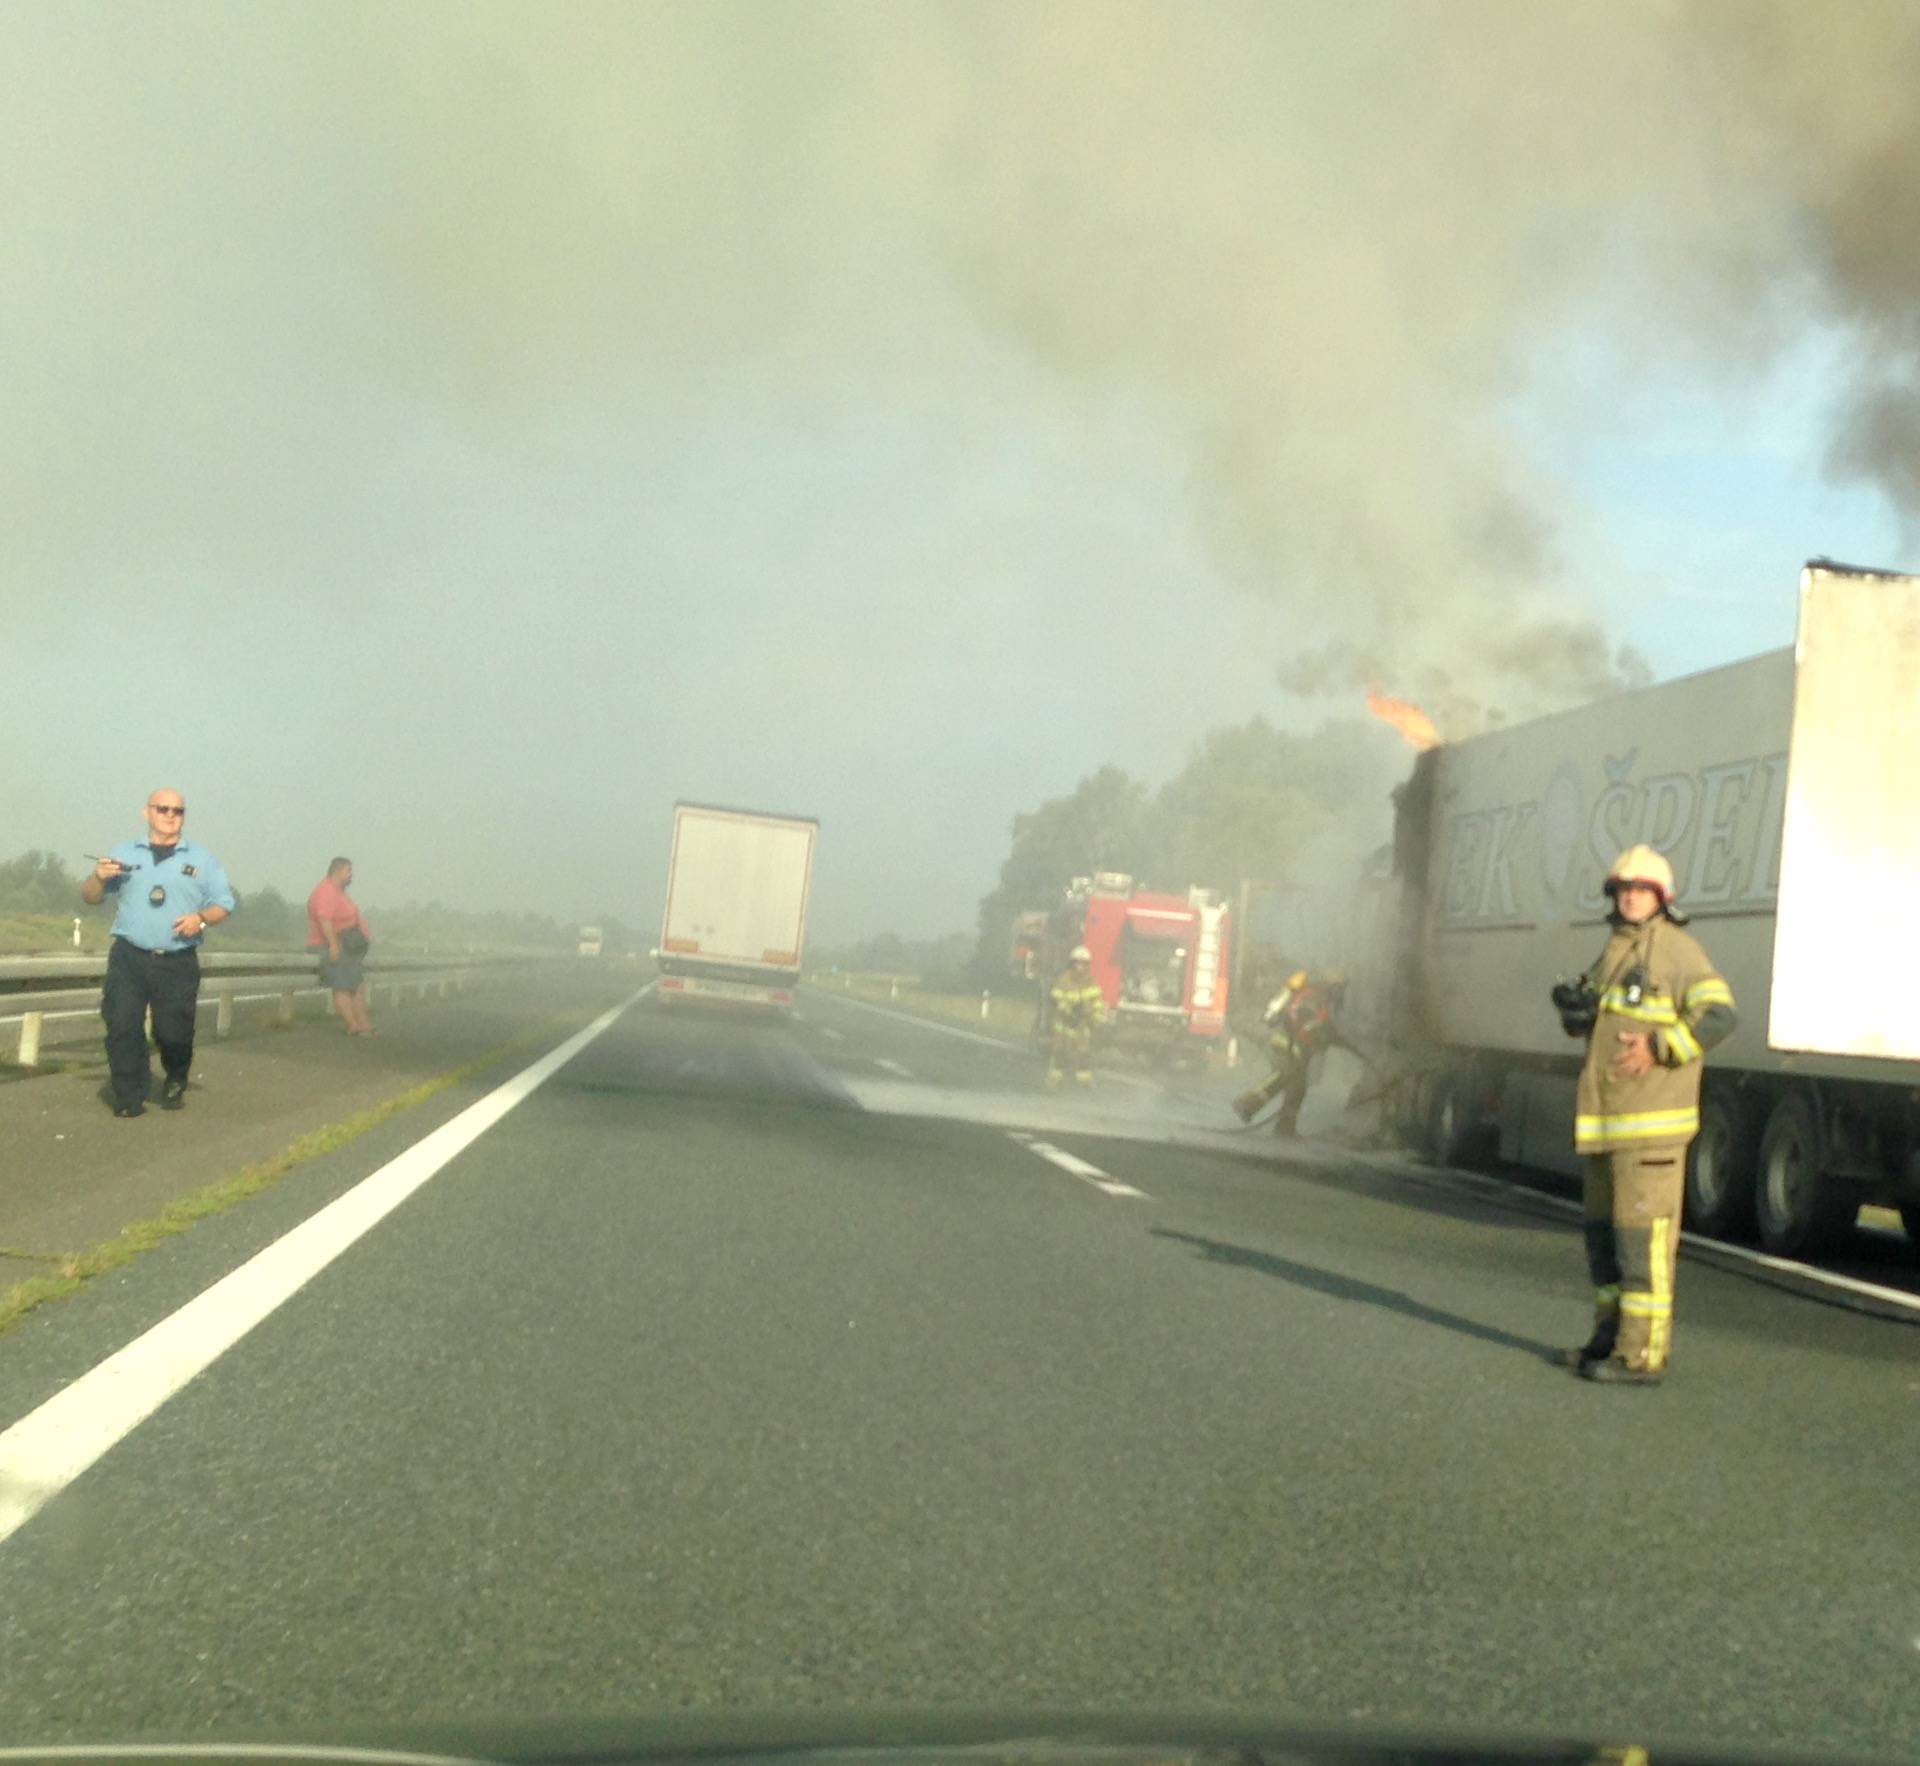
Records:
x=449, y=434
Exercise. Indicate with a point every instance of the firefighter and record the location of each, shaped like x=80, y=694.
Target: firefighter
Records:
x=1303, y=1019
x=1078, y=1007
x=1649, y=1008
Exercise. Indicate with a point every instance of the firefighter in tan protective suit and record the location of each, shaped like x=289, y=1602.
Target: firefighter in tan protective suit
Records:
x=1079, y=1007
x=1303, y=1019
x=1650, y=1008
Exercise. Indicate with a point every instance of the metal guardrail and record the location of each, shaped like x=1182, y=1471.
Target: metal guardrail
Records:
x=27, y=972
x=39, y=1020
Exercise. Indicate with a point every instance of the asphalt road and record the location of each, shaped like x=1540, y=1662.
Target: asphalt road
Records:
x=835, y=1366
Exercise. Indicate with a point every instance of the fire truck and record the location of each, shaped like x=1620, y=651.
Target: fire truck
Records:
x=1162, y=961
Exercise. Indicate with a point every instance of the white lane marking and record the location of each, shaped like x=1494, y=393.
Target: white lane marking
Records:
x=1851, y=1284
x=48, y=1448
x=1711, y=1248
x=992, y=1042
x=1071, y=1162
x=892, y=1067
x=828, y=1030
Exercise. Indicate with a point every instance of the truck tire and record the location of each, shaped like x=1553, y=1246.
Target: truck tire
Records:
x=1455, y=1133
x=1415, y=1104
x=1910, y=1219
x=1799, y=1208
x=1721, y=1168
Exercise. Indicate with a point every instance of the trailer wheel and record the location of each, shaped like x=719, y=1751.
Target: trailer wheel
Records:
x=1455, y=1133
x=1415, y=1105
x=1910, y=1219
x=1798, y=1206
x=1720, y=1169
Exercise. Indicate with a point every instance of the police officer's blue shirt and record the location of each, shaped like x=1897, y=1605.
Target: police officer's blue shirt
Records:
x=188, y=879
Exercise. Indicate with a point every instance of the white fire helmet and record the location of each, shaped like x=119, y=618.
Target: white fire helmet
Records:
x=1642, y=864
x=1080, y=954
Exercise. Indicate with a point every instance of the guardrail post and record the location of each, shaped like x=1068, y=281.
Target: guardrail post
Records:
x=422, y=994
x=76, y=931
x=286, y=1006
x=30, y=1027
x=893, y=988
x=443, y=987
x=223, y=1014
x=985, y=998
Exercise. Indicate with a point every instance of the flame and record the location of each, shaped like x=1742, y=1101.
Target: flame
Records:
x=1409, y=720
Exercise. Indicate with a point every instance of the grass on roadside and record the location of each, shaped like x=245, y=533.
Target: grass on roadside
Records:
x=47, y=934
x=71, y=1272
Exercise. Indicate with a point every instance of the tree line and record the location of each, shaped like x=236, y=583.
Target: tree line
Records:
x=37, y=883
x=1252, y=804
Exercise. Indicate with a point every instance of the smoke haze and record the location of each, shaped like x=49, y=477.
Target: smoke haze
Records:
x=449, y=433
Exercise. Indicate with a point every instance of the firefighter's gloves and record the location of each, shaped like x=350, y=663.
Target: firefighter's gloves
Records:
x=1578, y=1005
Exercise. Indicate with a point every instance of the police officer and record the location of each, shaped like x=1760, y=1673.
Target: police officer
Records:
x=1303, y=1020
x=1650, y=1008
x=1078, y=1007
x=168, y=892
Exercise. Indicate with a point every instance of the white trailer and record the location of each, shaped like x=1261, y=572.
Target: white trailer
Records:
x=1502, y=844
x=735, y=926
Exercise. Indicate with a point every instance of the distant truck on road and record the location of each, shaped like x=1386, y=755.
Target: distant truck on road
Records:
x=592, y=941
x=1785, y=791
x=735, y=927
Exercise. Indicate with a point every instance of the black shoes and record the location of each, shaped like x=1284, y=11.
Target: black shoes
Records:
x=1595, y=1348
x=1617, y=1373
x=129, y=1109
x=173, y=1094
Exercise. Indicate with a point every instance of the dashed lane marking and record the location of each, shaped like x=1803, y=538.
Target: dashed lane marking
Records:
x=992, y=1042
x=892, y=1067
x=1078, y=1167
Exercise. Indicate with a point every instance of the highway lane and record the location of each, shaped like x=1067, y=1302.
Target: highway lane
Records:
x=746, y=1366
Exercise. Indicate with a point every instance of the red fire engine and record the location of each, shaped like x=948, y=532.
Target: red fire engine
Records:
x=1161, y=961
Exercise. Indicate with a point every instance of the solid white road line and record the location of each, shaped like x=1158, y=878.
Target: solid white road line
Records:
x=892, y=1067
x=48, y=1448
x=1710, y=1248
x=1071, y=1162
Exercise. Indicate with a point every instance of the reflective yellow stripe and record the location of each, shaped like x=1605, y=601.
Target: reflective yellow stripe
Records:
x=1648, y=1011
x=1683, y=1045
x=1645, y=1306
x=1607, y=1297
x=1660, y=1337
x=1643, y=1125
x=1711, y=992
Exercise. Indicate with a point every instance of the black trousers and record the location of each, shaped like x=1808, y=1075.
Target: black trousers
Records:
x=137, y=979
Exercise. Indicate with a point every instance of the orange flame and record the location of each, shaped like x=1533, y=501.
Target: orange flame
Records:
x=1409, y=720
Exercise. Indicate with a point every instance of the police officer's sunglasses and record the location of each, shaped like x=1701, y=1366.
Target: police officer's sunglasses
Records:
x=168, y=809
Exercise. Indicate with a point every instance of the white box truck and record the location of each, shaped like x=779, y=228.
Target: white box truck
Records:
x=1785, y=790
x=735, y=926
